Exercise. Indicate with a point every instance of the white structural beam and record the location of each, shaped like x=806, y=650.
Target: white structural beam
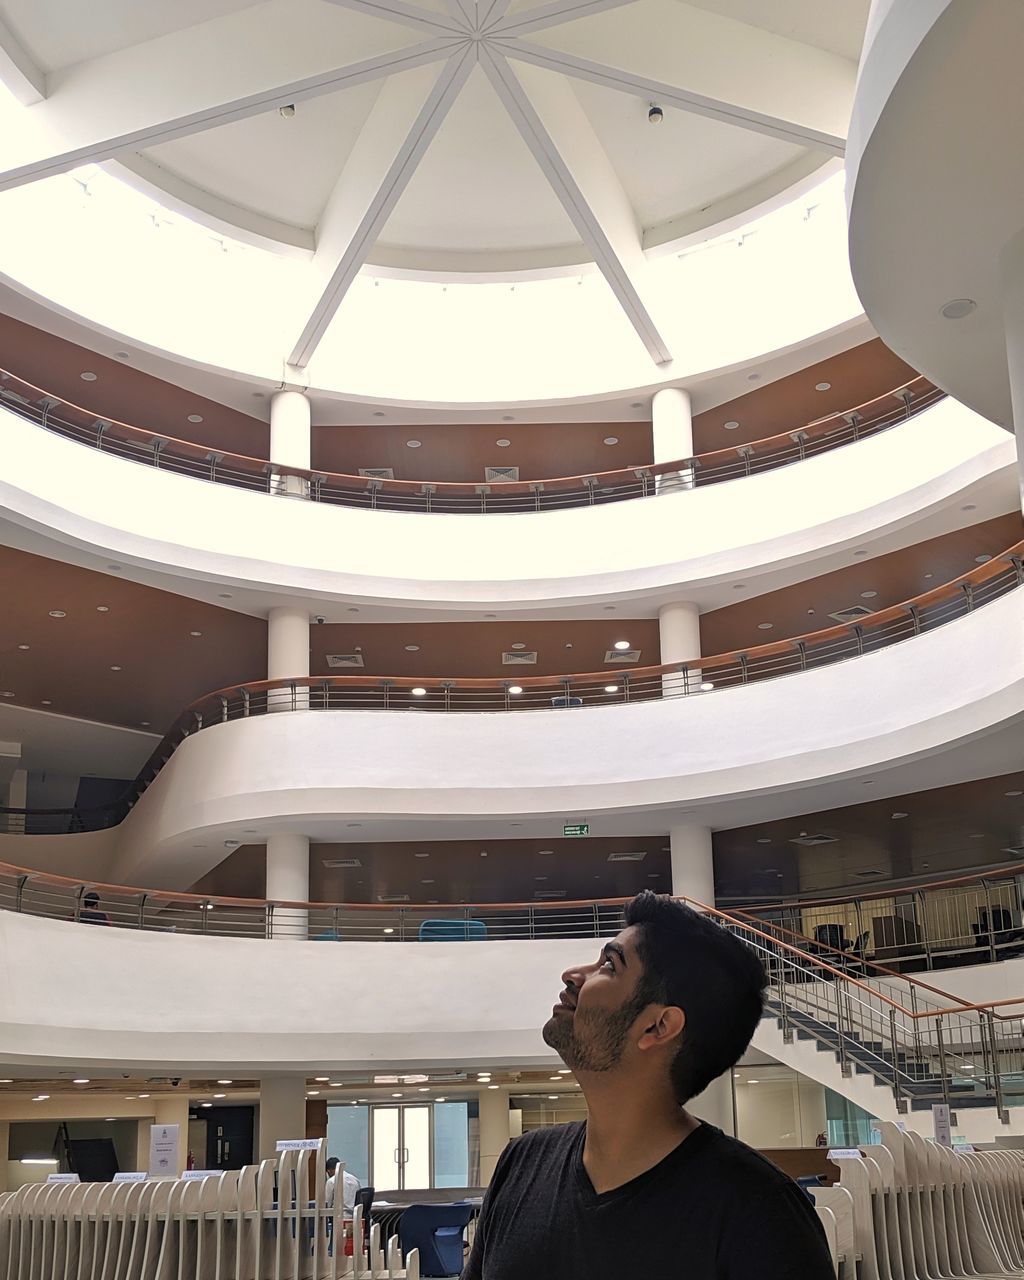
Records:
x=548, y=15
x=18, y=71
x=359, y=220
x=667, y=95
x=601, y=214
x=409, y=15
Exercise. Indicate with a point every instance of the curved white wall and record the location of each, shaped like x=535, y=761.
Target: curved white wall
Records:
x=778, y=527
x=310, y=771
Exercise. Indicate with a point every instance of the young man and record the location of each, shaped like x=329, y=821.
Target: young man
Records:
x=642, y=1188
x=350, y=1186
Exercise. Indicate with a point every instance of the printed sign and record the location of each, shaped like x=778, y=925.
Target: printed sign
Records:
x=130, y=1177
x=576, y=829
x=193, y=1175
x=63, y=1177
x=943, y=1127
x=299, y=1144
x=845, y=1153
x=163, y=1150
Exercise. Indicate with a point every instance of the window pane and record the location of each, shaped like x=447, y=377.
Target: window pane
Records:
x=348, y=1138
x=417, y=1148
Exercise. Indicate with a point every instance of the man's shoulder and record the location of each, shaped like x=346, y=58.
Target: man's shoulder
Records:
x=550, y=1142
x=742, y=1165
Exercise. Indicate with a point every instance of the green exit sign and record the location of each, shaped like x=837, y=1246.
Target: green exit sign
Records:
x=576, y=829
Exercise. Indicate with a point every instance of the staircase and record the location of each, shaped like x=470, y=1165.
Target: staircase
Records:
x=894, y=1045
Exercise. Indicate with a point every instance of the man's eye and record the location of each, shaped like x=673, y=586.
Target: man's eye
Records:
x=608, y=964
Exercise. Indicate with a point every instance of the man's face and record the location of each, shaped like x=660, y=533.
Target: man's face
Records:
x=590, y=1025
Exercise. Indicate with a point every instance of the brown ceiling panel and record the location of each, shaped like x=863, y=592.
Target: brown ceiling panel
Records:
x=458, y=871
x=855, y=376
x=892, y=578
x=66, y=664
x=124, y=393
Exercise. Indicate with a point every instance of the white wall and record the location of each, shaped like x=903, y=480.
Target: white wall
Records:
x=296, y=771
x=768, y=530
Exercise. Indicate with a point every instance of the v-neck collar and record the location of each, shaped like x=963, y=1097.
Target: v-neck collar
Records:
x=689, y=1147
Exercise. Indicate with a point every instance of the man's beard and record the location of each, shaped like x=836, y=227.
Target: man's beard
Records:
x=593, y=1040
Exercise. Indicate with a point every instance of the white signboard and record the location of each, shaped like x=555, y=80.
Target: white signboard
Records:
x=163, y=1150
x=63, y=1177
x=130, y=1177
x=943, y=1128
x=845, y=1153
x=299, y=1144
x=192, y=1175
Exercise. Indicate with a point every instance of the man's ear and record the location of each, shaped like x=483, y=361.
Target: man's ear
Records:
x=662, y=1026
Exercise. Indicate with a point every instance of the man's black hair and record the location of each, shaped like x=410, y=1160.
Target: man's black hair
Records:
x=332, y=1163
x=690, y=961
x=91, y=899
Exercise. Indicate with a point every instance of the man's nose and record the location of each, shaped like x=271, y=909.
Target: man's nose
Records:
x=574, y=976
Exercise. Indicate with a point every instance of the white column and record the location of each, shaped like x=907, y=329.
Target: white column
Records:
x=495, y=1130
x=693, y=868
x=1012, y=275
x=5, y=1147
x=291, y=439
x=679, y=639
x=288, y=881
x=288, y=656
x=282, y=1112
x=672, y=430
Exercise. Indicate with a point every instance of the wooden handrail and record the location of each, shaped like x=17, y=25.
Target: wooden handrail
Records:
x=819, y=427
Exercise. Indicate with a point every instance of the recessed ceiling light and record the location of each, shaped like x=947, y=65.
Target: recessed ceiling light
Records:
x=80, y=1080
x=419, y=692
x=611, y=688
x=412, y=648
x=103, y=608
x=503, y=443
x=611, y=440
x=1013, y=793
x=970, y=506
x=145, y=723
x=706, y=686
x=195, y=633
x=978, y=835
x=823, y=386
x=195, y=417
x=957, y=308
x=621, y=644
x=57, y=613
x=565, y=1071
x=518, y=645
x=87, y=376
x=929, y=575
x=868, y=595
x=540, y=877
x=552, y=1097
x=6, y=693
x=764, y=839
x=24, y=646
x=411, y=444
x=765, y=626
x=515, y=688
x=41, y=1098
x=493, y=1086
x=143, y=1095
x=731, y=425
x=483, y=853
x=116, y=668
x=981, y=559
x=898, y=814
x=206, y=1104
x=219, y=1095
x=45, y=702
x=225, y=1082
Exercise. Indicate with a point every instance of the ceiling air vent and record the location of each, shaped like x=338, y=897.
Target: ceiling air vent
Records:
x=809, y=841
x=549, y=893
x=627, y=857
x=519, y=658
x=334, y=863
x=345, y=660
x=622, y=655
x=495, y=475
x=377, y=473
x=851, y=614
x=398, y=897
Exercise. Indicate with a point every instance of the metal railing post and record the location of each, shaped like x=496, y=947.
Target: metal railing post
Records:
x=142, y=911
x=205, y=908
x=19, y=892
x=991, y=923
x=922, y=924
x=943, y=1071
x=78, y=902
x=402, y=913
x=845, y=1068
x=268, y=920
x=897, y=1092
x=997, y=1080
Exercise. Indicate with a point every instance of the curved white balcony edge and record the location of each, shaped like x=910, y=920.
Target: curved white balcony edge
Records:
x=778, y=527
x=313, y=770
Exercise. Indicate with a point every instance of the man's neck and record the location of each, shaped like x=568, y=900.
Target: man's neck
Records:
x=629, y=1132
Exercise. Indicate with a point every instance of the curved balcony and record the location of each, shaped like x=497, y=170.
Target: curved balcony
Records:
x=776, y=528
x=201, y=462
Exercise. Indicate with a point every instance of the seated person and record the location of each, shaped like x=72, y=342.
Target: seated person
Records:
x=349, y=1189
x=90, y=912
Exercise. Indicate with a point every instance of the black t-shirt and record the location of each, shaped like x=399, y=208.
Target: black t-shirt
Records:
x=713, y=1209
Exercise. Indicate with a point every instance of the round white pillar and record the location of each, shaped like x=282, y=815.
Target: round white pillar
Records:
x=679, y=639
x=282, y=1112
x=288, y=881
x=1012, y=276
x=693, y=867
x=672, y=431
x=288, y=656
x=291, y=433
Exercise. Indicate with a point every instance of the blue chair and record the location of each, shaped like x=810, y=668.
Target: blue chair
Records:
x=437, y=1231
x=453, y=931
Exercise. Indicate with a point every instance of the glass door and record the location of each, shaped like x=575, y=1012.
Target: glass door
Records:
x=400, y=1148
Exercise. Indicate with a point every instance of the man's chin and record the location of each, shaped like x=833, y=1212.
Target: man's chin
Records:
x=554, y=1034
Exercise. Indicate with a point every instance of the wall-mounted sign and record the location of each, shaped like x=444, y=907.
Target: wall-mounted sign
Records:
x=943, y=1127
x=576, y=829
x=298, y=1144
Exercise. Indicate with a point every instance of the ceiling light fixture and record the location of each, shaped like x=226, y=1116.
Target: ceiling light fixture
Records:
x=225, y=1082
x=982, y=559
x=7, y=693
x=413, y=444
x=80, y=1080
x=515, y=688
x=898, y=814
x=389, y=930
x=195, y=633
x=655, y=115
x=412, y=648
x=87, y=376
x=195, y=417
x=503, y=443
x=611, y=440
x=611, y=688
x=419, y=692
x=823, y=386
x=765, y=626
x=1013, y=793
x=57, y=613
x=957, y=308
x=621, y=644
x=115, y=668
x=731, y=425
x=706, y=686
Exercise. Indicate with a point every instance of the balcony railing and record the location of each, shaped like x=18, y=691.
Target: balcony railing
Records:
x=924, y=1043
x=696, y=678
x=156, y=449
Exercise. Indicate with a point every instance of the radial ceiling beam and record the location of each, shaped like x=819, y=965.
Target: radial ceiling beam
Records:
x=608, y=256
x=366, y=223
x=409, y=15
x=548, y=15
x=667, y=95
x=18, y=71
x=106, y=146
